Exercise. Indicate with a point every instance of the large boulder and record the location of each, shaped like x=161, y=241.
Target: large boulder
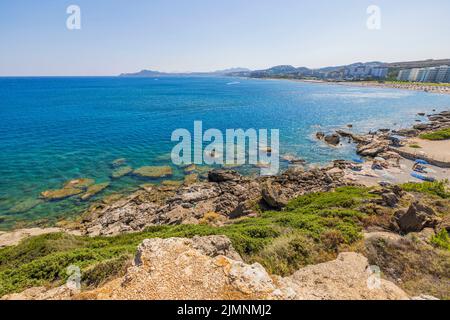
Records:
x=333, y=139
x=272, y=193
x=416, y=218
x=372, y=149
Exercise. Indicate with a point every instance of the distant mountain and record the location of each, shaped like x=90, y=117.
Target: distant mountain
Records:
x=144, y=74
x=151, y=73
x=291, y=72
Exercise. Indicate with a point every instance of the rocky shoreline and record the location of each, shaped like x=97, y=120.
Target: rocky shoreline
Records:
x=229, y=195
x=400, y=220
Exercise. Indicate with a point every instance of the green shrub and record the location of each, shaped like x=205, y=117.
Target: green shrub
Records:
x=437, y=188
x=441, y=240
x=311, y=229
x=443, y=134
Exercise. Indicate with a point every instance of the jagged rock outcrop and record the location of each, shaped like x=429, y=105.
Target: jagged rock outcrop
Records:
x=416, y=218
x=226, y=193
x=209, y=268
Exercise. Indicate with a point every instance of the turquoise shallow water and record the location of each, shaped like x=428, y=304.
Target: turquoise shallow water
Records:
x=56, y=129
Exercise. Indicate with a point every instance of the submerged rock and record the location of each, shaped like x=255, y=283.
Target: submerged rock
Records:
x=118, y=162
x=81, y=183
x=60, y=194
x=93, y=190
x=153, y=172
x=25, y=205
x=121, y=172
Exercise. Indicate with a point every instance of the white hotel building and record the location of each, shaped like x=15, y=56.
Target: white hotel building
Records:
x=433, y=74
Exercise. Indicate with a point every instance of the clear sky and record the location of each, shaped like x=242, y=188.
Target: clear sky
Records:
x=201, y=35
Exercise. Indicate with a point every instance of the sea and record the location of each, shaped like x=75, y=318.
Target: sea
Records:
x=55, y=129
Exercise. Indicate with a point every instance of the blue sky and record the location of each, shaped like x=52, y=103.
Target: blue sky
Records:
x=201, y=35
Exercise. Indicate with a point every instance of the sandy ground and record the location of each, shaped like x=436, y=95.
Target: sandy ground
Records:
x=394, y=175
x=404, y=86
x=437, y=150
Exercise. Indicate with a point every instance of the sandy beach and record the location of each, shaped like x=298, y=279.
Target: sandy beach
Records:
x=440, y=89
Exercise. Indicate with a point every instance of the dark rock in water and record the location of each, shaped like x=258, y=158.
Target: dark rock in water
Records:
x=320, y=135
x=356, y=138
x=333, y=139
x=118, y=162
x=417, y=218
x=349, y=126
x=422, y=114
x=384, y=130
x=220, y=175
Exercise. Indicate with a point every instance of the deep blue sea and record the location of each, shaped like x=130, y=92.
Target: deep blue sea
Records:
x=56, y=129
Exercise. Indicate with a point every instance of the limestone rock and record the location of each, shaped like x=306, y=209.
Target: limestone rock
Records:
x=209, y=268
x=346, y=278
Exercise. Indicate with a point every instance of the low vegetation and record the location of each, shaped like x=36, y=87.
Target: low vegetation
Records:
x=437, y=188
x=443, y=134
x=441, y=240
x=312, y=229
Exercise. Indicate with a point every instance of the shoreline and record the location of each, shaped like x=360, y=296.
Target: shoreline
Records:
x=435, y=89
